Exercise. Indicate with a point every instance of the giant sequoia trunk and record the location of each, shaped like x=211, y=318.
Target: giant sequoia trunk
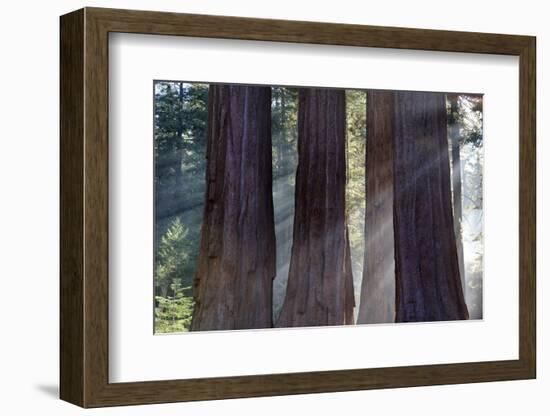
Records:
x=320, y=282
x=428, y=286
x=378, y=288
x=454, y=138
x=236, y=264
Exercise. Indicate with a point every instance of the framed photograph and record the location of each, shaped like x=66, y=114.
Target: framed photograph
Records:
x=257, y=207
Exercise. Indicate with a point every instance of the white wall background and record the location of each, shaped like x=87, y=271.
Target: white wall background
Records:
x=29, y=159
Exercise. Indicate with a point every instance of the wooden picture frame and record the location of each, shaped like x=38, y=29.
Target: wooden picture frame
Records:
x=84, y=207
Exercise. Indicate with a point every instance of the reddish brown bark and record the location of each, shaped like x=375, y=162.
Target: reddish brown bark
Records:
x=377, y=303
x=428, y=286
x=320, y=282
x=236, y=264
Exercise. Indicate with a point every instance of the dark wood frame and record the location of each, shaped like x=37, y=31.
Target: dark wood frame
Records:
x=84, y=208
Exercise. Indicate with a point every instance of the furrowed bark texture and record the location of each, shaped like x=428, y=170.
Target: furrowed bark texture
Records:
x=320, y=282
x=236, y=264
x=428, y=286
x=378, y=288
x=454, y=138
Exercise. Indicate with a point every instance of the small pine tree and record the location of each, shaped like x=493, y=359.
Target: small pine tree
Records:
x=172, y=256
x=174, y=313
x=174, y=302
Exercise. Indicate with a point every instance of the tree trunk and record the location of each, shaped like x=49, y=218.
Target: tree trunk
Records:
x=236, y=263
x=320, y=282
x=454, y=137
x=179, y=188
x=428, y=286
x=378, y=288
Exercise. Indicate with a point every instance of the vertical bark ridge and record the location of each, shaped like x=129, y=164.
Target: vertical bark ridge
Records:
x=320, y=280
x=236, y=264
